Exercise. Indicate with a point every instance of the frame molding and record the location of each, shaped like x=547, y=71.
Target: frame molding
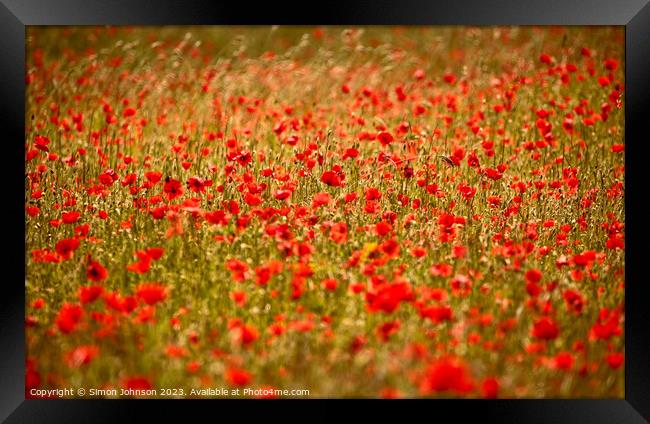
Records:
x=15, y=15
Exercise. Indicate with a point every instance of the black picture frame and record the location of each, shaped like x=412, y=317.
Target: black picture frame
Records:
x=15, y=15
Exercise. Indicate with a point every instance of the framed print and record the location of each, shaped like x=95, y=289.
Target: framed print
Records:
x=391, y=201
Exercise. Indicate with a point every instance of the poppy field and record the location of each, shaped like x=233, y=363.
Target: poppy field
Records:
x=325, y=212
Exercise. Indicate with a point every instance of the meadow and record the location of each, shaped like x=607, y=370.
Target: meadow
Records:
x=356, y=212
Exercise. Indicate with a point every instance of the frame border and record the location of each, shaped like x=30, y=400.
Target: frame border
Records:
x=15, y=15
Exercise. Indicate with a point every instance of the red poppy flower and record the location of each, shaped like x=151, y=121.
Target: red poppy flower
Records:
x=321, y=199
x=245, y=334
x=66, y=247
x=68, y=317
x=615, y=360
x=436, y=314
x=447, y=375
x=459, y=251
x=81, y=355
x=564, y=360
x=533, y=276
x=41, y=143
x=441, y=270
x=129, y=111
x=611, y=64
x=239, y=297
x=252, y=200
x=490, y=388
x=419, y=74
x=153, y=176
x=607, y=326
x=237, y=268
x=32, y=211
x=545, y=328
x=88, y=294
x=339, y=232
x=238, y=377
x=198, y=185
x=461, y=285
x=137, y=383
x=546, y=58
x=449, y=78
x=70, y=217
x=151, y=293
x=493, y=174
x=387, y=297
x=282, y=194
x=140, y=267
x=32, y=380
x=217, y=217
x=38, y=303
x=155, y=253
x=265, y=272
x=108, y=177
x=387, y=329
x=350, y=153
x=385, y=138
x=372, y=194
x=383, y=228
x=331, y=178
x=351, y=197
x=173, y=188
x=96, y=272
x=330, y=284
